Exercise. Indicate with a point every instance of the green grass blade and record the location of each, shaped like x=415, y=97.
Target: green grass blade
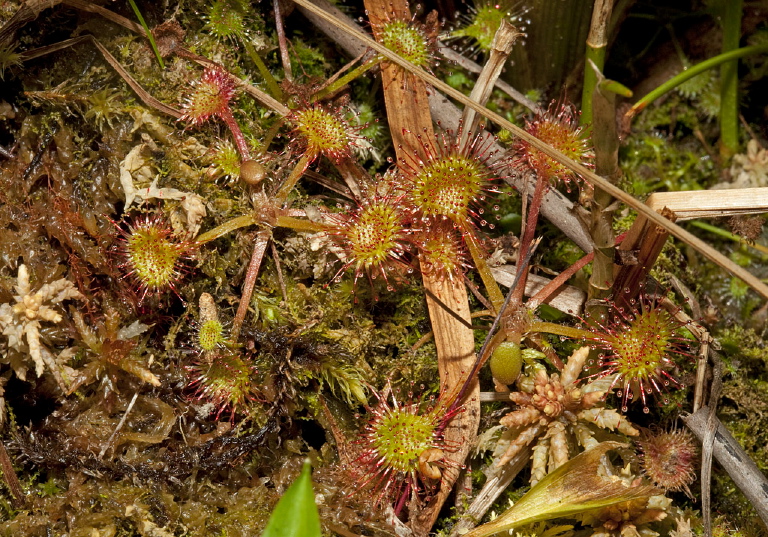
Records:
x=148, y=31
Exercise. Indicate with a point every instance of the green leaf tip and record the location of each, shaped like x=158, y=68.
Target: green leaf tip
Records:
x=615, y=87
x=296, y=514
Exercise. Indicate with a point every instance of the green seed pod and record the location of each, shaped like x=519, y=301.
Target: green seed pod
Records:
x=506, y=362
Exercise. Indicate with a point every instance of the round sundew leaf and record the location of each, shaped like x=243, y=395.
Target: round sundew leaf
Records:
x=406, y=41
x=323, y=132
x=152, y=254
x=446, y=186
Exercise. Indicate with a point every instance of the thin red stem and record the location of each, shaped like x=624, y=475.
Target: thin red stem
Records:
x=259, y=248
x=282, y=42
x=545, y=292
x=242, y=146
x=400, y=505
x=530, y=231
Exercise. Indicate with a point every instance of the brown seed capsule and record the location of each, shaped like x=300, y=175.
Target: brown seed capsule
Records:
x=252, y=172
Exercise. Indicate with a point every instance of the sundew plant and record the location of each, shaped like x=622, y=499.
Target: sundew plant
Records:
x=292, y=243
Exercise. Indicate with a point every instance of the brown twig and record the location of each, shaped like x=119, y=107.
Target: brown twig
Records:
x=148, y=99
x=31, y=9
x=545, y=292
x=478, y=295
x=731, y=456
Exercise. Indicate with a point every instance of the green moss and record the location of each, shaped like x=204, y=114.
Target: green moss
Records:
x=651, y=164
x=309, y=60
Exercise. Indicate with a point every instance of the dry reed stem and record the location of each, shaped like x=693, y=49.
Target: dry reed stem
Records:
x=645, y=239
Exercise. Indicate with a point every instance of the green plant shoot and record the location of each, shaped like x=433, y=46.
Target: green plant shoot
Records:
x=574, y=487
x=296, y=515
